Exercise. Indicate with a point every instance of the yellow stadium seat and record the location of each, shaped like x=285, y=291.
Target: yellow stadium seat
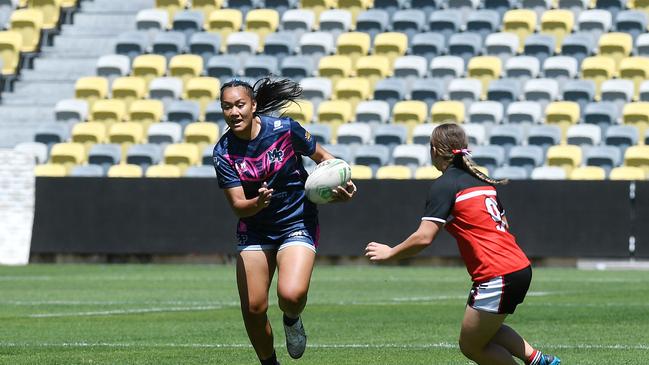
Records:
x=565, y=156
x=521, y=22
x=51, y=10
x=262, y=21
x=615, y=45
x=301, y=111
x=224, y=22
x=126, y=133
x=562, y=113
x=335, y=111
x=410, y=111
x=129, y=88
x=361, y=172
x=10, y=46
x=171, y=6
x=149, y=66
x=28, y=22
x=598, y=69
x=627, y=173
x=146, y=111
x=485, y=69
x=394, y=172
x=635, y=69
x=186, y=66
x=355, y=6
x=125, y=170
x=68, y=155
x=182, y=155
x=335, y=67
x=50, y=170
x=202, y=134
x=637, y=156
x=637, y=114
x=69, y=3
x=354, y=45
x=108, y=111
x=447, y=111
x=89, y=133
x=353, y=90
x=557, y=23
x=373, y=68
x=163, y=171
x=91, y=89
x=427, y=173
x=207, y=7
x=588, y=173
x=204, y=90
x=391, y=45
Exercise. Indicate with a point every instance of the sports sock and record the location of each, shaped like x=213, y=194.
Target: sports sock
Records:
x=535, y=358
x=270, y=361
x=290, y=321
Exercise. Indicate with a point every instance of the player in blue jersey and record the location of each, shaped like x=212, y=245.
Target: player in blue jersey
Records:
x=258, y=163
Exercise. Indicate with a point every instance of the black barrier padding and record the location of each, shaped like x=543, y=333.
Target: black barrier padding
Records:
x=641, y=226
x=569, y=218
x=178, y=216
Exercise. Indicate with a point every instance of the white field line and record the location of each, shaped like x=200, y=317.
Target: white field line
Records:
x=439, y=345
x=124, y=311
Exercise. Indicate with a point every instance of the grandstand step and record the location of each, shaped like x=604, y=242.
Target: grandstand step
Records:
x=117, y=6
x=68, y=46
x=58, y=69
x=103, y=21
x=32, y=92
x=14, y=133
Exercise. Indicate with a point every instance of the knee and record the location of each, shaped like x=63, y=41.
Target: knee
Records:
x=468, y=349
x=254, y=308
x=293, y=297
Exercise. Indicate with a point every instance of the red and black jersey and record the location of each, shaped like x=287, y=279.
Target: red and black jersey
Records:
x=472, y=213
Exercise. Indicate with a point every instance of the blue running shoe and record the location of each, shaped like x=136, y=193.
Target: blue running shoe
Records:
x=549, y=360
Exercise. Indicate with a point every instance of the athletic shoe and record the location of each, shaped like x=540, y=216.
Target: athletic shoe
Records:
x=549, y=360
x=295, y=339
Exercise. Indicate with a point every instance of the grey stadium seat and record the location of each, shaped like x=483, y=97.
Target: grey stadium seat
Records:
x=205, y=44
x=486, y=112
x=114, y=65
x=317, y=44
x=320, y=132
x=483, y=22
x=35, y=149
x=476, y=133
x=621, y=136
x=549, y=173
x=203, y=171
x=188, y=22
x=510, y=173
x=501, y=6
x=259, y=66
x=594, y=22
x=165, y=132
x=51, y=133
x=242, y=43
x=447, y=67
x=169, y=44
x=152, y=20
x=560, y=68
x=428, y=44
x=183, y=112
x=391, y=6
x=132, y=44
x=224, y=67
x=372, y=21
x=606, y=157
x=280, y=44
x=542, y=91
x=422, y=133
x=354, y=133
x=144, y=155
x=642, y=44
x=105, y=155
x=427, y=90
x=465, y=45
x=618, y=91
x=297, y=67
x=71, y=110
x=522, y=67
x=507, y=135
x=584, y=134
x=373, y=111
x=490, y=157
x=316, y=89
x=166, y=88
x=526, y=157
x=87, y=171
x=578, y=45
x=410, y=67
x=214, y=113
x=390, y=134
x=603, y=114
x=341, y=151
x=445, y=22
x=409, y=21
x=540, y=46
x=390, y=90
x=335, y=21
x=413, y=155
x=503, y=91
x=373, y=156
x=502, y=45
x=633, y=22
x=465, y=90
x=524, y=112
x=544, y=135
x=298, y=21
x=579, y=91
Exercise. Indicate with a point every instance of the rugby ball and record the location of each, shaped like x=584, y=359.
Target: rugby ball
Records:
x=327, y=175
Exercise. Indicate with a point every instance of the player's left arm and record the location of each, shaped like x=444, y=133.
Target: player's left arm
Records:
x=411, y=246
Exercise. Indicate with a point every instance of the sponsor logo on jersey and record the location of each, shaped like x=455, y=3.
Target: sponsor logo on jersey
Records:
x=277, y=125
x=275, y=155
x=307, y=136
x=243, y=238
x=300, y=233
x=241, y=166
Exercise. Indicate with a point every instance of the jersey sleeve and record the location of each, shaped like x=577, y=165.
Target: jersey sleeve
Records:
x=303, y=142
x=226, y=175
x=440, y=201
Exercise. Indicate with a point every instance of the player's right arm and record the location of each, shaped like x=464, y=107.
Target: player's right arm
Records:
x=411, y=246
x=243, y=207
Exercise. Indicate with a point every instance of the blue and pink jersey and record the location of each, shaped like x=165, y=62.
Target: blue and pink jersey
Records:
x=274, y=157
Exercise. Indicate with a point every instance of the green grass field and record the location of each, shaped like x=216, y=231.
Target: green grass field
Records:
x=188, y=314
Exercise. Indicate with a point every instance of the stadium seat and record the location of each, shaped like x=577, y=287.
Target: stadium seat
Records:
x=353, y=44
x=335, y=67
x=411, y=112
x=632, y=22
x=410, y=67
x=486, y=112
x=224, y=22
x=584, y=134
x=202, y=134
x=188, y=22
x=603, y=114
x=108, y=111
x=637, y=156
x=320, y=132
x=426, y=6
x=183, y=112
x=144, y=155
x=485, y=69
x=483, y=22
x=563, y=114
x=51, y=10
x=146, y=111
x=445, y=22
x=164, y=171
x=595, y=22
x=581, y=92
x=125, y=171
x=422, y=133
x=185, y=67
x=243, y=44
x=202, y=90
x=128, y=89
x=411, y=155
x=465, y=90
x=390, y=91
x=37, y=150
x=87, y=171
x=390, y=134
x=126, y=133
x=521, y=22
x=132, y=44
x=507, y=135
x=224, y=67
x=627, y=173
x=10, y=46
x=560, y=68
x=29, y=23
x=502, y=45
x=169, y=44
x=354, y=133
x=50, y=170
x=165, y=132
x=642, y=44
x=489, y=157
x=409, y=21
x=104, y=156
x=297, y=67
x=606, y=157
x=475, y=133
x=565, y=156
x=91, y=89
x=510, y=173
x=171, y=6
x=427, y=90
x=301, y=112
x=504, y=91
x=51, y=133
x=335, y=111
x=112, y=66
x=578, y=45
x=588, y=173
x=262, y=21
x=540, y=46
x=542, y=91
x=635, y=69
x=617, y=92
x=205, y=45
x=353, y=90
x=391, y=45
x=557, y=23
x=149, y=66
x=637, y=114
x=373, y=68
x=280, y=44
x=526, y=157
x=341, y=151
x=316, y=89
x=394, y=172
x=298, y=21
x=71, y=110
x=317, y=44
x=465, y=45
x=165, y=88
x=361, y=172
x=524, y=112
x=447, y=67
x=522, y=68
x=89, y=133
x=200, y=172
x=544, y=135
x=428, y=45
x=214, y=114
x=616, y=46
x=447, y=111
x=621, y=136
x=373, y=111
x=373, y=156
x=372, y=22
x=181, y=155
x=427, y=173
x=152, y=20
x=68, y=155
x=549, y=173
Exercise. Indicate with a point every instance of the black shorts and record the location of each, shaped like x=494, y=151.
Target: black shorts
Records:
x=501, y=294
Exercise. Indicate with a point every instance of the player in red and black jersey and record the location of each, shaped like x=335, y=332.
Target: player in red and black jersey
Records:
x=464, y=201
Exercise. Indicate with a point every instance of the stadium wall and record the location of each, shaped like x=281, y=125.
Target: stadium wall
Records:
x=191, y=216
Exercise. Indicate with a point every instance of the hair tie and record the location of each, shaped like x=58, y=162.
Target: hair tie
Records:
x=462, y=152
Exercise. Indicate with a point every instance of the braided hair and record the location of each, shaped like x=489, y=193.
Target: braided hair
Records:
x=451, y=144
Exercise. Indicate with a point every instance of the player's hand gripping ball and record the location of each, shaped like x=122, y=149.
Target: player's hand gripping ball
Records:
x=328, y=175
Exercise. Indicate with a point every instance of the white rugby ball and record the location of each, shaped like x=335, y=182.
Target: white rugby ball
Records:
x=327, y=175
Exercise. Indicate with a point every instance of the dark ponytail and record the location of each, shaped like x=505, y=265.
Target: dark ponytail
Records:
x=272, y=95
